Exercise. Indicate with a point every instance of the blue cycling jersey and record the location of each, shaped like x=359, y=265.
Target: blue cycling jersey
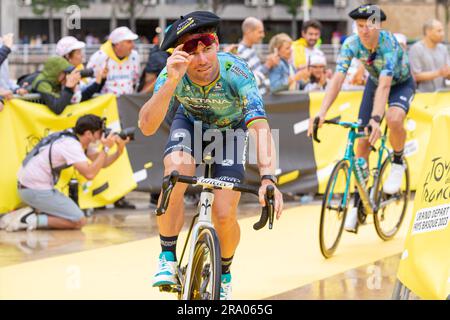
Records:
x=226, y=102
x=389, y=59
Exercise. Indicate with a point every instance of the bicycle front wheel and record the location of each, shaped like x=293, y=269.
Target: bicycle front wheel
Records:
x=206, y=267
x=391, y=208
x=334, y=209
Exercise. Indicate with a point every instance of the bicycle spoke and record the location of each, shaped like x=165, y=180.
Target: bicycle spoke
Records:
x=391, y=208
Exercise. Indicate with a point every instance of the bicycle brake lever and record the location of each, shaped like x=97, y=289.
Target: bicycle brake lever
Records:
x=167, y=187
x=315, y=129
x=270, y=195
x=267, y=212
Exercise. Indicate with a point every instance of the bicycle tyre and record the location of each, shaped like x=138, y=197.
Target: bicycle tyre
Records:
x=328, y=251
x=379, y=215
x=207, y=244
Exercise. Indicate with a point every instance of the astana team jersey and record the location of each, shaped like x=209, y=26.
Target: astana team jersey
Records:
x=226, y=102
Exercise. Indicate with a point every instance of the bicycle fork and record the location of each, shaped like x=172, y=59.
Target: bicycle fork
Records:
x=204, y=221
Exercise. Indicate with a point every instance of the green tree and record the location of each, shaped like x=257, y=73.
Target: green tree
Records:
x=293, y=7
x=133, y=8
x=50, y=7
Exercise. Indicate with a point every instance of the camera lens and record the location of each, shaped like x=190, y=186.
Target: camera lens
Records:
x=87, y=73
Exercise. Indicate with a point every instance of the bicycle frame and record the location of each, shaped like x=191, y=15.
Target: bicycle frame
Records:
x=368, y=200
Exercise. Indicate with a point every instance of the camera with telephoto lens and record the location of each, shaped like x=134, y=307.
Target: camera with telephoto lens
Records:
x=84, y=73
x=87, y=73
x=125, y=133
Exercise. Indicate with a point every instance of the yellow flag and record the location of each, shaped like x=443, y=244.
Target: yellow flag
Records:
x=23, y=124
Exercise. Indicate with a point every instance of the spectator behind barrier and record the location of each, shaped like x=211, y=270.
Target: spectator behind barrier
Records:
x=40, y=170
x=156, y=62
x=318, y=77
x=58, y=81
x=71, y=49
x=8, y=86
x=308, y=45
x=122, y=61
x=429, y=58
x=283, y=76
x=253, y=33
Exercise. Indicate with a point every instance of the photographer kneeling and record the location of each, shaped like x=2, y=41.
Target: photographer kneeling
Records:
x=59, y=80
x=41, y=169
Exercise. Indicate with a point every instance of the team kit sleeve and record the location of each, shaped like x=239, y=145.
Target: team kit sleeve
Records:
x=162, y=78
x=346, y=54
x=253, y=104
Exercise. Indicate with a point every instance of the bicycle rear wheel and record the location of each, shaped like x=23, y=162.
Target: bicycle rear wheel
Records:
x=334, y=209
x=391, y=208
x=206, y=267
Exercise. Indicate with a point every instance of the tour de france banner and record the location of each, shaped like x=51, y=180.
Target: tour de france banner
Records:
x=334, y=138
x=23, y=124
x=425, y=263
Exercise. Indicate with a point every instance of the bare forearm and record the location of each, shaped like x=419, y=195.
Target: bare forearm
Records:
x=154, y=110
x=265, y=147
x=92, y=169
x=332, y=91
x=381, y=97
x=426, y=76
x=111, y=158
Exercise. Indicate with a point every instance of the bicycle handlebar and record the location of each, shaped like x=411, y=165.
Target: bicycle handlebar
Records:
x=267, y=213
x=336, y=121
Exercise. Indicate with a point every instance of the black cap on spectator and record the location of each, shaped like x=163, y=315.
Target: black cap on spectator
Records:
x=366, y=11
x=187, y=24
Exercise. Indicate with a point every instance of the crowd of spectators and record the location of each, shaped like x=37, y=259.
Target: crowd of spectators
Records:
x=292, y=65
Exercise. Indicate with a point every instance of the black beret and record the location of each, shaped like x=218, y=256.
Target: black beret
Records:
x=186, y=24
x=366, y=11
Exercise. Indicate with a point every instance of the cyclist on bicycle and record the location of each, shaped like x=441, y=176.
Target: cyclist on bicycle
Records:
x=218, y=94
x=390, y=81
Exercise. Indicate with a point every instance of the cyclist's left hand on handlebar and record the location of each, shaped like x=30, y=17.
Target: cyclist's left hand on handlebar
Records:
x=374, y=133
x=278, y=197
x=311, y=123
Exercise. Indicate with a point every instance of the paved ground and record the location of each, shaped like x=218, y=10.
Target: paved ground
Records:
x=114, y=257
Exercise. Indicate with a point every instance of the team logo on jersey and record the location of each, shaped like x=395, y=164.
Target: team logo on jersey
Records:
x=239, y=72
x=228, y=65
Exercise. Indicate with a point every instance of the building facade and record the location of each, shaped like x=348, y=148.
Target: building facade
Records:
x=102, y=15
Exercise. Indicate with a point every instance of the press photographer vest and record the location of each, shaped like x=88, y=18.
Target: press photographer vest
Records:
x=49, y=140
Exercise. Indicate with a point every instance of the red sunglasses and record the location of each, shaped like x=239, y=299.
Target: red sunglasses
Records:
x=191, y=45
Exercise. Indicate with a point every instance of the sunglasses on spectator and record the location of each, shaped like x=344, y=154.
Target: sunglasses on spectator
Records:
x=191, y=45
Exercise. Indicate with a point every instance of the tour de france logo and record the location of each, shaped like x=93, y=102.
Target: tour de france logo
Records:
x=437, y=182
x=33, y=140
